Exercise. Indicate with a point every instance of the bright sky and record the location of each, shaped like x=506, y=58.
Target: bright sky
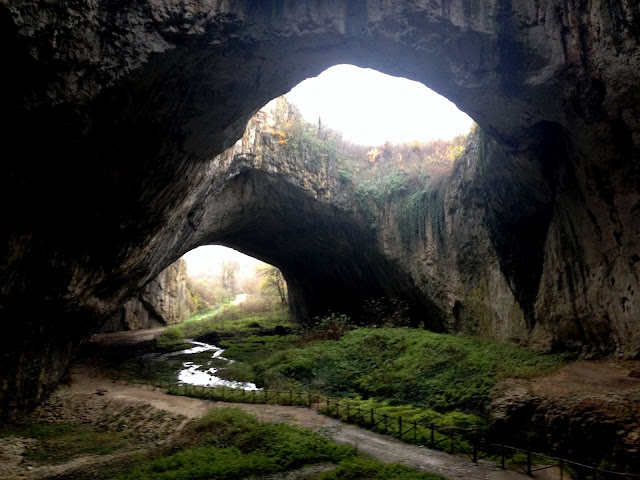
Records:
x=369, y=107
x=208, y=260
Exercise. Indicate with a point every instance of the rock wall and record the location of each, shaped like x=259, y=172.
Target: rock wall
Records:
x=163, y=301
x=115, y=113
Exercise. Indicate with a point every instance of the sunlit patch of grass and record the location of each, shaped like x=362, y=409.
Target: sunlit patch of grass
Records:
x=232, y=320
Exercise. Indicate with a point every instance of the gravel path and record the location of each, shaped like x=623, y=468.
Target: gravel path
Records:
x=378, y=446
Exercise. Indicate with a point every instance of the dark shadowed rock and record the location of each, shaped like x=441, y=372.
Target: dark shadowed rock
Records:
x=163, y=301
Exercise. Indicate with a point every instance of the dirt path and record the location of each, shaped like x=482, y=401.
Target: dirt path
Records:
x=377, y=446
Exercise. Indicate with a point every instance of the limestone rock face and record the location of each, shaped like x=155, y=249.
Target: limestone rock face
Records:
x=115, y=114
x=163, y=301
x=588, y=411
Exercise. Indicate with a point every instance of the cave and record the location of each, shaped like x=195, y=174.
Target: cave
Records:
x=116, y=113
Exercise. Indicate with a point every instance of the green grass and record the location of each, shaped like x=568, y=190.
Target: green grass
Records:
x=62, y=441
x=403, y=366
x=232, y=328
x=232, y=320
x=408, y=413
x=367, y=469
x=250, y=351
x=231, y=444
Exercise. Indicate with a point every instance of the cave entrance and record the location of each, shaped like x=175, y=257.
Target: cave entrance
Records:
x=308, y=184
x=218, y=276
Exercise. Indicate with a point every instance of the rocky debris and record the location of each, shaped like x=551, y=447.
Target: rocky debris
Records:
x=146, y=427
x=12, y=461
x=588, y=412
x=146, y=423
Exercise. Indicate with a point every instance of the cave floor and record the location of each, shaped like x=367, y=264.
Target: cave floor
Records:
x=91, y=398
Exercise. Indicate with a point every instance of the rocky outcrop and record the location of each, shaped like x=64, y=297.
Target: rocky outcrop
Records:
x=588, y=411
x=115, y=113
x=163, y=301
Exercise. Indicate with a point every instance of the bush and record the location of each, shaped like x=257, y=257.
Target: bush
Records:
x=365, y=468
x=329, y=327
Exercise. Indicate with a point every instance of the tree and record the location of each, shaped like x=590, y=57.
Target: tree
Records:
x=228, y=275
x=273, y=282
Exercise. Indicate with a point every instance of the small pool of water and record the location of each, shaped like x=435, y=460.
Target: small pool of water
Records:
x=197, y=374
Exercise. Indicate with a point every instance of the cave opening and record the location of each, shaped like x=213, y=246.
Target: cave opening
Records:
x=306, y=183
x=218, y=276
x=114, y=174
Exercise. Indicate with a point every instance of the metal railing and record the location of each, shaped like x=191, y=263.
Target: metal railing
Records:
x=469, y=442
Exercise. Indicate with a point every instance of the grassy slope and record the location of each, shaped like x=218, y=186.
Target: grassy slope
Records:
x=401, y=366
x=231, y=444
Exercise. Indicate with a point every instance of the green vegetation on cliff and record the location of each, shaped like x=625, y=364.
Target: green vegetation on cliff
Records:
x=410, y=173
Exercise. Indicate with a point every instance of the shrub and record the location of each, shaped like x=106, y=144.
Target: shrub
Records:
x=365, y=468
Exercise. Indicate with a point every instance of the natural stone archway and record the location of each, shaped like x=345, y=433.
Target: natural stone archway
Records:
x=293, y=211
x=115, y=113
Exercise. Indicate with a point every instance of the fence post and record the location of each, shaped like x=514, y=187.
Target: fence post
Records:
x=452, y=445
x=415, y=432
x=475, y=449
x=502, y=456
x=386, y=428
x=309, y=394
x=348, y=413
x=433, y=437
x=529, y=462
x=222, y=393
x=372, y=420
x=290, y=397
x=400, y=426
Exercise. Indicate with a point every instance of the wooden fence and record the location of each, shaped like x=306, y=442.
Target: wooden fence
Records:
x=468, y=442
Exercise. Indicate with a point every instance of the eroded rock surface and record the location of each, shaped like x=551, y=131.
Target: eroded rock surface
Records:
x=587, y=411
x=163, y=301
x=115, y=112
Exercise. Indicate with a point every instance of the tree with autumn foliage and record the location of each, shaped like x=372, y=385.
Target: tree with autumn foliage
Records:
x=273, y=283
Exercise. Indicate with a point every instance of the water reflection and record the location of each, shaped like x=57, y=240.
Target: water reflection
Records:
x=195, y=374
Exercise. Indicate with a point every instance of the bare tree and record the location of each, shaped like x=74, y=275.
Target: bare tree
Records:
x=228, y=275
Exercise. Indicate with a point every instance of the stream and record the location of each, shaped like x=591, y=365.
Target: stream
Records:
x=197, y=372
x=193, y=374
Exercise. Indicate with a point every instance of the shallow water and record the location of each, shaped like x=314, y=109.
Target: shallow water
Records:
x=197, y=374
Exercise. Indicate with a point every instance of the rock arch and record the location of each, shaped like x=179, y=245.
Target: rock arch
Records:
x=116, y=111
